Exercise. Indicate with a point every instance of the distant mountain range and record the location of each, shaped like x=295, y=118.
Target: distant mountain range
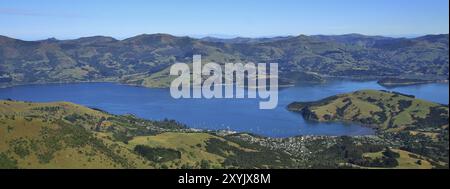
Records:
x=144, y=59
x=244, y=39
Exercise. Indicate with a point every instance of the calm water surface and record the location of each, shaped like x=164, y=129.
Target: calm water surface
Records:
x=235, y=114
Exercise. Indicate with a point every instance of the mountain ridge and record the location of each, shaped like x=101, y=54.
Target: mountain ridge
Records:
x=100, y=58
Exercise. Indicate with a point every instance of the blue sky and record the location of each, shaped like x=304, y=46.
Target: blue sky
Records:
x=64, y=19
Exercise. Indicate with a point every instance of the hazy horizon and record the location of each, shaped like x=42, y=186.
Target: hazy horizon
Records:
x=225, y=36
x=37, y=20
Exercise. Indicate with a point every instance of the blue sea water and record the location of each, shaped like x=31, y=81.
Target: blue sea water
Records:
x=241, y=115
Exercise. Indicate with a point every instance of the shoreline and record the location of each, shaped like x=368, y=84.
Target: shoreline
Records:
x=280, y=86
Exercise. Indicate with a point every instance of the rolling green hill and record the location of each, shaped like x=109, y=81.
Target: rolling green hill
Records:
x=144, y=59
x=381, y=109
x=416, y=125
x=57, y=135
x=66, y=135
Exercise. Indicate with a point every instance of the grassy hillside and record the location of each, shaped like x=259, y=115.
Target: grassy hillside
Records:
x=66, y=135
x=57, y=135
x=415, y=125
x=202, y=150
x=381, y=109
x=141, y=60
x=406, y=159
